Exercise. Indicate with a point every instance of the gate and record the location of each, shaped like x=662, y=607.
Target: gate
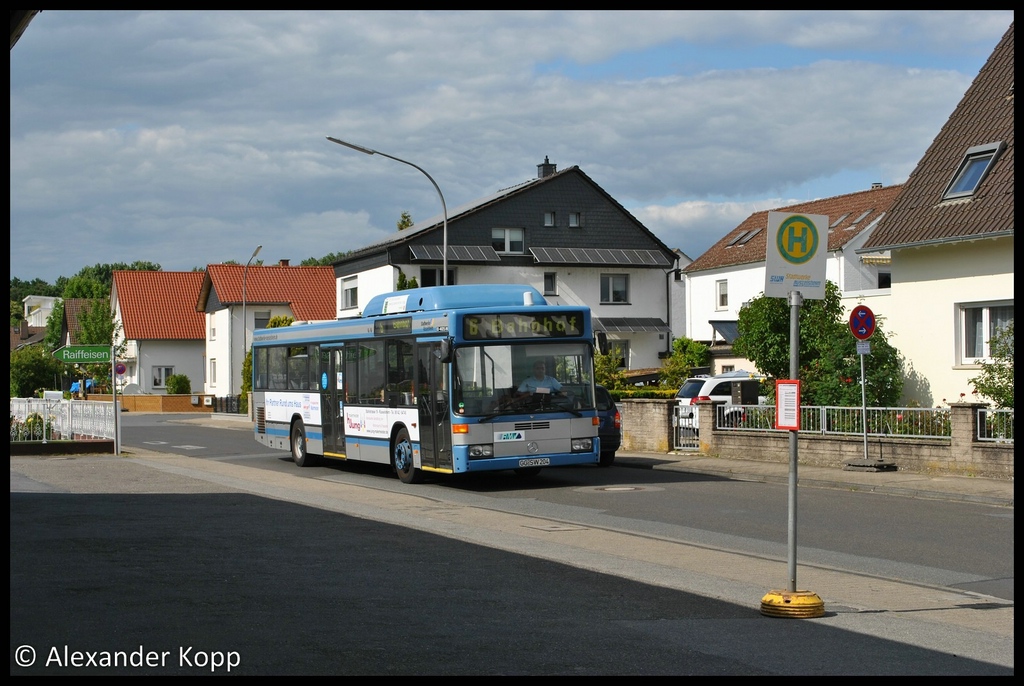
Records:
x=684, y=427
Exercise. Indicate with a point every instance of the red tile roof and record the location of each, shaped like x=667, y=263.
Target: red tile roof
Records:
x=854, y=212
x=309, y=291
x=160, y=305
x=984, y=115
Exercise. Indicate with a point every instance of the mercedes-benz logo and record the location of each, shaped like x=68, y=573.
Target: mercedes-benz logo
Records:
x=532, y=447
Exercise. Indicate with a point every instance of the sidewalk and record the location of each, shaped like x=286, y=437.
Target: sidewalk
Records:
x=908, y=484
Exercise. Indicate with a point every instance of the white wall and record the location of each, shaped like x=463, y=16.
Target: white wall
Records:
x=922, y=314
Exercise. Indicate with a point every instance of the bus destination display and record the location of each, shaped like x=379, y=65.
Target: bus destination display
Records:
x=477, y=327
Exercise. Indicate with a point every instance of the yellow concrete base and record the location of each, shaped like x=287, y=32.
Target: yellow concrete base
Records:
x=801, y=604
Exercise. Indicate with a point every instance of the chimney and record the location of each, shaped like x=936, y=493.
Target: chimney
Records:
x=876, y=185
x=546, y=169
x=282, y=263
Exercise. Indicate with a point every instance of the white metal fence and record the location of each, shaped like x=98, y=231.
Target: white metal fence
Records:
x=995, y=425
x=34, y=420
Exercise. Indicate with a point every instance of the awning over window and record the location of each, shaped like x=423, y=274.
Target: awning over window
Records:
x=876, y=259
x=630, y=324
x=459, y=253
x=601, y=256
x=729, y=331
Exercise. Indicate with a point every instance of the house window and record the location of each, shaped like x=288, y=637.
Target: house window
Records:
x=160, y=375
x=884, y=280
x=619, y=349
x=973, y=168
x=550, y=283
x=614, y=289
x=575, y=220
x=508, y=241
x=549, y=219
x=260, y=319
x=213, y=372
x=722, y=295
x=432, y=277
x=978, y=323
x=726, y=368
x=349, y=293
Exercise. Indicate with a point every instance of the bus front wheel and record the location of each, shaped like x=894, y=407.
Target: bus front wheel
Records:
x=300, y=451
x=402, y=458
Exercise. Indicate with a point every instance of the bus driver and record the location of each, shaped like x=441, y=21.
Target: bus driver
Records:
x=539, y=380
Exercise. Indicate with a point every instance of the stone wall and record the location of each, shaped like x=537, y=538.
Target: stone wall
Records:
x=647, y=426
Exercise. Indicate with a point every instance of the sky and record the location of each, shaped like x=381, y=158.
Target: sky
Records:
x=187, y=138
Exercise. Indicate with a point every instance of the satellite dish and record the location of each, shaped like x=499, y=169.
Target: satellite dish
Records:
x=132, y=389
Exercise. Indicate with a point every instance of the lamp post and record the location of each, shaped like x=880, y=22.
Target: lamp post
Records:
x=245, y=328
x=444, y=209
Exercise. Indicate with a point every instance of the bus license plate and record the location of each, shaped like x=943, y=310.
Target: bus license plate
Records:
x=535, y=462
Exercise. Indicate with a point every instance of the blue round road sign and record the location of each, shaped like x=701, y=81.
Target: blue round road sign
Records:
x=862, y=323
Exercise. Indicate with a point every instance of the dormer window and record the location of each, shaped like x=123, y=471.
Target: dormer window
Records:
x=973, y=168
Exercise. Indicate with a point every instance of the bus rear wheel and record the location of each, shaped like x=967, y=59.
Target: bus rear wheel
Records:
x=300, y=451
x=401, y=456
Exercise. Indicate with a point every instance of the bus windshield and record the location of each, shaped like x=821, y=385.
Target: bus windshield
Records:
x=497, y=379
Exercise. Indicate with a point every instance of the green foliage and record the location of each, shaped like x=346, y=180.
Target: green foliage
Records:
x=325, y=261
x=686, y=354
x=243, y=401
x=404, y=283
x=996, y=379
x=829, y=362
x=22, y=289
x=279, y=321
x=405, y=221
x=178, y=384
x=606, y=369
x=54, y=326
x=32, y=368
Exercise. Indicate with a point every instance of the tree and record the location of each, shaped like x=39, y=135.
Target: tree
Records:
x=34, y=367
x=607, y=371
x=686, y=354
x=996, y=379
x=404, y=283
x=829, y=362
x=405, y=221
x=325, y=261
x=54, y=326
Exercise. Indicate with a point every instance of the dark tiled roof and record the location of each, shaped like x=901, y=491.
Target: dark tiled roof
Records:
x=984, y=115
x=850, y=214
x=160, y=305
x=309, y=291
x=73, y=309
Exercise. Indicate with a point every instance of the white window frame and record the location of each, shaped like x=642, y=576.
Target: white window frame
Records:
x=504, y=241
x=213, y=372
x=608, y=289
x=575, y=220
x=350, y=293
x=974, y=167
x=550, y=283
x=550, y=219
x=722, y=294
x=160, y=374
x=976, y=316
x=430, y=276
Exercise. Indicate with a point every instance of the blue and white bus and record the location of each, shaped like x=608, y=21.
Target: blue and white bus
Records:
x=426, y=380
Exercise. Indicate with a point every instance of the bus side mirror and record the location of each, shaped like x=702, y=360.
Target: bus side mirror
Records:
x=602, y=342
x=443, y=351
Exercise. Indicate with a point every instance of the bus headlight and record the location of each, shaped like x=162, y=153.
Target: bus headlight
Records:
x=582, y=445
x=481, y=451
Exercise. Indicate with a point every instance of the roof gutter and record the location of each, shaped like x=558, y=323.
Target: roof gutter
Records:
x=934, y=241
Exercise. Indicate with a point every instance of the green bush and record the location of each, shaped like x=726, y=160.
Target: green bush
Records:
x=178, y=384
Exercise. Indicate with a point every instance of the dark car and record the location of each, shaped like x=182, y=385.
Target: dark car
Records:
x=610, y=429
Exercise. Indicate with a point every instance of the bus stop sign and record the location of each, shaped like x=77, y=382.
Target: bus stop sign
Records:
x=862, y=323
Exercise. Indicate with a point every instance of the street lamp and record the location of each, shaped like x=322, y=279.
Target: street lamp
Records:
x=245, y=328
x=444, y=209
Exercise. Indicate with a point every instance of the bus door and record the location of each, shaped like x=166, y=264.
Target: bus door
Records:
x=332, y=405
x=434, y=413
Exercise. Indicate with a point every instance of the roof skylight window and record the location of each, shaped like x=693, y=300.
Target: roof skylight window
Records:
x=973, y=168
